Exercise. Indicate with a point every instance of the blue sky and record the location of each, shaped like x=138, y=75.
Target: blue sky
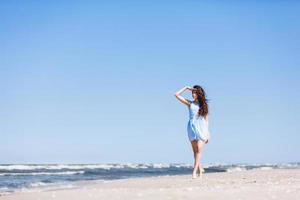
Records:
x=94, y=81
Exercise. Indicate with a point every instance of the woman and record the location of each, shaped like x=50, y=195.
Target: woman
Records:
x=197, y=127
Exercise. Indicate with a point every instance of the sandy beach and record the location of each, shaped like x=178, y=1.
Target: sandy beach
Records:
x=251, y=184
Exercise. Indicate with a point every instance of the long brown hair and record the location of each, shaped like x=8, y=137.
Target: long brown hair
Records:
x=201, y=96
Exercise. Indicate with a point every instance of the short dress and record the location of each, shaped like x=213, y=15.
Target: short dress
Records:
x=197, y=127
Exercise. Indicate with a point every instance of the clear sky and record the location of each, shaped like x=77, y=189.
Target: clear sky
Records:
x=94, y=81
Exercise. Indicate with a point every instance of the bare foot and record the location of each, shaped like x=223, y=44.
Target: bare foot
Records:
x=198, y=172
x=194, y=175
x=201, y=173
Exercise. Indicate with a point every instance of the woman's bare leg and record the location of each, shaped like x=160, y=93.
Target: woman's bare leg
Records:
x=194, y=146
x=196, y=157
x=198, y=145
x=198, y=170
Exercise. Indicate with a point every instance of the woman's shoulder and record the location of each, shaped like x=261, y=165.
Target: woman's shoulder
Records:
x=190, y=102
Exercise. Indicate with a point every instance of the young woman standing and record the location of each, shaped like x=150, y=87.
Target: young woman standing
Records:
x=197, y=127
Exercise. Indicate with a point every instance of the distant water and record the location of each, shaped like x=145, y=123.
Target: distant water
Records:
x=15, y=177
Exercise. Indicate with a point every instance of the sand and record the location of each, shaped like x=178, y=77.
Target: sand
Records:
x=251, y=184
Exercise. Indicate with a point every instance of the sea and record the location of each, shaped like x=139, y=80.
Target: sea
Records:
x=15, y=177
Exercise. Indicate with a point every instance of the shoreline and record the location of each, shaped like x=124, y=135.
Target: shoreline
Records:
x=258, y=184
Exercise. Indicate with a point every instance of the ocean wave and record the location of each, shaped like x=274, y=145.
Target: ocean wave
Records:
x=39, y=184
x=56, y=167
x=42, y=173
x=240, y=168
x=89, y=166
x=263, y=168
x=71, y=169
x=236, y=169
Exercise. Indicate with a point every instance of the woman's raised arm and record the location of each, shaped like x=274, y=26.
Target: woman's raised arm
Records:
x=181, y=98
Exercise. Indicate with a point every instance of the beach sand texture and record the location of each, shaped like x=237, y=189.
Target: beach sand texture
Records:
x=251, y=184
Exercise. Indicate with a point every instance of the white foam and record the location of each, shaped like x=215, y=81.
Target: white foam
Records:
x=263, y=168
x=160, y=165
x=38, y=184
x=42, y=173
x=30, y=167
x=235, y=169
